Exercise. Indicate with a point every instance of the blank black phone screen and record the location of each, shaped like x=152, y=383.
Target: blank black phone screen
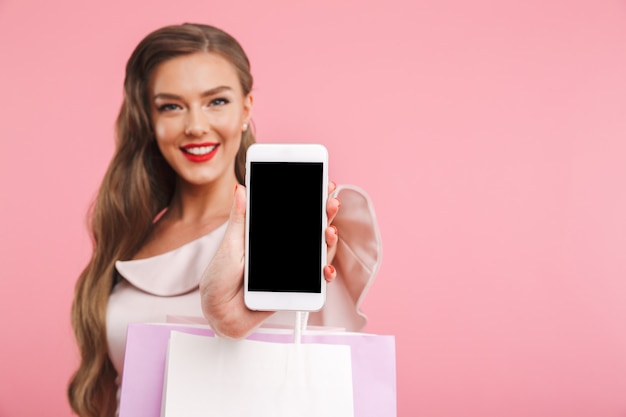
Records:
x=285, y=229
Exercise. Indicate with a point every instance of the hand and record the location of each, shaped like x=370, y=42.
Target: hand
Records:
x=221, y=285
x=332, y=235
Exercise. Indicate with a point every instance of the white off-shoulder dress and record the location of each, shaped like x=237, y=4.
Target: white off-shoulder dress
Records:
x=150, y=290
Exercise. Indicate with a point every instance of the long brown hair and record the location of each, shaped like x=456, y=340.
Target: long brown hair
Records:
x=136, y=187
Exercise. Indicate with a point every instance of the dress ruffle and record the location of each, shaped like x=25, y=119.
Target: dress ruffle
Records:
x=176, y=272
x=357, y=260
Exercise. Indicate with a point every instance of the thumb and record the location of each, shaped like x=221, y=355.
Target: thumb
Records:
x=235, y=232
x=238, y=211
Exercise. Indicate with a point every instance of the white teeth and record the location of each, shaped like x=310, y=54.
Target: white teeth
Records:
x=200, y=150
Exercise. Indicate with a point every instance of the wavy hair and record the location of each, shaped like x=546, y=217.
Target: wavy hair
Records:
x=137, y=186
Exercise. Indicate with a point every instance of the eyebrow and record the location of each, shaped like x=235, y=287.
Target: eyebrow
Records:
x=207, y=93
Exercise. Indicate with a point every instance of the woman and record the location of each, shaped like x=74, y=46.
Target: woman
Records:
x=167, y=222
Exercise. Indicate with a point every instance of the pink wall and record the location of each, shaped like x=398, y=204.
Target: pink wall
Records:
x=490, y=135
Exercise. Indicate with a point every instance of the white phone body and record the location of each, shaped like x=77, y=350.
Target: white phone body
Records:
x=287, y=189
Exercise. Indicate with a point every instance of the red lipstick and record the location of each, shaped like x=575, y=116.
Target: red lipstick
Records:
x=200, y=152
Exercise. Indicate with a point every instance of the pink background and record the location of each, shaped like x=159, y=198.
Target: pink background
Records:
x=489, y=134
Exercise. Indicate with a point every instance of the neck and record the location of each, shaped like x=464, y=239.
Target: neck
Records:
x=196, y=205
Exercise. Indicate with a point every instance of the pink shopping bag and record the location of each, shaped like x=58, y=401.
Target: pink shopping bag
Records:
x=373, y=366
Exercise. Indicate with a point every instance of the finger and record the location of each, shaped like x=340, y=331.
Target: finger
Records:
x=235, y=232
x=238, y=211
x=332, y=236
x=330, y=273
x=332, y=208
x=332, y=186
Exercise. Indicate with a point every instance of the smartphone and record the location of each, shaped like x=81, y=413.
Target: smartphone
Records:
x=287, y=188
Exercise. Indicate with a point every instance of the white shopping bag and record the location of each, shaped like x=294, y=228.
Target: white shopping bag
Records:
x=210, y=376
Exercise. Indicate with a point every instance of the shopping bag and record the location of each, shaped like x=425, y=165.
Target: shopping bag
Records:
x=373, y=366
x=210, y=376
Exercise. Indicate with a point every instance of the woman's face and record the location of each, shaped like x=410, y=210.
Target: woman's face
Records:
x=198, y=113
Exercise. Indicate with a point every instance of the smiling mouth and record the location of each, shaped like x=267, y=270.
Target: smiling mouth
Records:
x=199, y=150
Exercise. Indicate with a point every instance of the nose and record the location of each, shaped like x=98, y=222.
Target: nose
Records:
x=196, y=123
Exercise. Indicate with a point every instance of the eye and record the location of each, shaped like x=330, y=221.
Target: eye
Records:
x=219, y=102
x=168, y=107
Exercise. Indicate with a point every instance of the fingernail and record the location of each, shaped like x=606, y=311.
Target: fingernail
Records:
x=332, y=269
x=335, y=229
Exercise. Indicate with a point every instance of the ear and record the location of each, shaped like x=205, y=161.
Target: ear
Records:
x=247, y=107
